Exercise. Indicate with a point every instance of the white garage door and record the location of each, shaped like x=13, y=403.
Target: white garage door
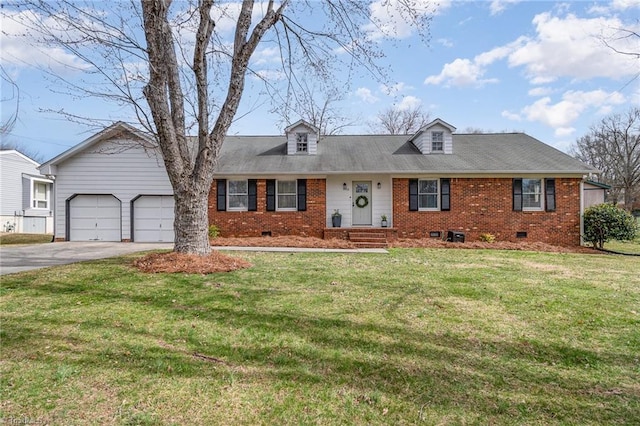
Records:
x=94, y=218
x=153, y=219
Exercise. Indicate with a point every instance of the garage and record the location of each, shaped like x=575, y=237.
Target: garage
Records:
x=153, y=219
x=94, y=218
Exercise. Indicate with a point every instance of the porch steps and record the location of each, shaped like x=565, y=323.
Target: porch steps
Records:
x=368, y=239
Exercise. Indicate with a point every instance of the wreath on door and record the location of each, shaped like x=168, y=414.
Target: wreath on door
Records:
x=362, y=202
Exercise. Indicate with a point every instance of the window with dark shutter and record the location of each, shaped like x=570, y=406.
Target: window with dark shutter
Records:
x=252, y=193
x=302, y=195
x=550, y=193
x=271, y=195
x=413, y=195
x=445, y=194
x=221, y=199
x=517, y=195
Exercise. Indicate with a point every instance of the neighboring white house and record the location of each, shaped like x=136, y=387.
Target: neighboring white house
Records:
x=25, y=195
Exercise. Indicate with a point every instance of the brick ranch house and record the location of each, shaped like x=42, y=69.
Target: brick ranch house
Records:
x=113, y=186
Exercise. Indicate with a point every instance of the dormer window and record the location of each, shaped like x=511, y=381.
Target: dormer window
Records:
x=302, y=142
x=437, y=141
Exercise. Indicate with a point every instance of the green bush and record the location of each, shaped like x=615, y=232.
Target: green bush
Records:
x=214, y=231
x=604, y=222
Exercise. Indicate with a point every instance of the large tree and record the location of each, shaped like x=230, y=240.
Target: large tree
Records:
x=400, y=121
x=173, y=64
x=613, y=147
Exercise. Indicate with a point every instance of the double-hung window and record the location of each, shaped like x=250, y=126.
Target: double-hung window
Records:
x=238, y=195
x=302, y=144
x=40, y=195
x=286, y=194
x=437, y=141
x=428, y=194
x=532, y=194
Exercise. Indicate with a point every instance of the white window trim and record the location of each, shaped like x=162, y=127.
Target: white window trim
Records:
x=430, y=209
x=295, y=193
x=305, y=142
x=542, y=195
x=237, y=209
x=440, y=141
x=32, y=199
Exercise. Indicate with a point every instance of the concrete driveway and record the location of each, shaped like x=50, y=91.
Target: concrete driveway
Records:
x=18, y=258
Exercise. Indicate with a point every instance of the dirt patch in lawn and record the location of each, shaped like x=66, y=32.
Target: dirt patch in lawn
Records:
x=192, y=264
x=218, y=262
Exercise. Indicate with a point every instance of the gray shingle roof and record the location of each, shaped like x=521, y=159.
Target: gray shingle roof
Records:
x=500, y=153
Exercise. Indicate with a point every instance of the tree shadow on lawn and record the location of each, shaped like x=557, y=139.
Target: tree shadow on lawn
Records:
x=526, y=379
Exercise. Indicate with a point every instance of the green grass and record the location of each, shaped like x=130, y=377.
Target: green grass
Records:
x=12, y=238
x=417, y=336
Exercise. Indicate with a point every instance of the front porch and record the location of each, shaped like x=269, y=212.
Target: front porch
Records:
x=363, y=237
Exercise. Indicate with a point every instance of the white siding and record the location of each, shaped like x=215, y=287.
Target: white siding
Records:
x=338, y=198
x=118, y=167
x=423, y=141
x=312, y=140
x=12, y=166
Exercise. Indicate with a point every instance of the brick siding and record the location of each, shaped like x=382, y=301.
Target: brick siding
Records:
x=309, y=223
x=485, y=206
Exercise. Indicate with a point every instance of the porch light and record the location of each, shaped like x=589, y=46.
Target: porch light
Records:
x=344, y=186
x=379, y=185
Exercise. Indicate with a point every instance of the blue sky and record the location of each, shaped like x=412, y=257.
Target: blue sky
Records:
x=537, y=67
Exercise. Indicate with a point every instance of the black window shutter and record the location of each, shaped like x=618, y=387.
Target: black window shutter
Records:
x=445, y=194
x=413, y=195
x=252, y=187
x=302, y=195
x=271, y=195
x=550, y=191
x=517, y=195
x=221, y=189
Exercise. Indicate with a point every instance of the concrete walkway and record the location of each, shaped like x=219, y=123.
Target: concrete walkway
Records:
x=18, y=258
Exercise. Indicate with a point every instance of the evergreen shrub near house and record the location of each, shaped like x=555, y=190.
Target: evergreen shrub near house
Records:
x=605, y=222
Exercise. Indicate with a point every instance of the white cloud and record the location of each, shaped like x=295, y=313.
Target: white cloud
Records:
x=498, y=6
x=564, y=131
x=540, y=91
x=460, y=72
x=21, y=49
x=572, y=47
x=365, y=95
x=445, y=42
x=409, y=102
x=511, y=116
x=390, y=18
x=562, y=114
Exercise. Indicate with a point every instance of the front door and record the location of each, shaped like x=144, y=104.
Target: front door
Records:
x=361, y=203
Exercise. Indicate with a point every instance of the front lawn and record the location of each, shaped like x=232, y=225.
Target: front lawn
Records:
x=13, y=238
x=418, y=336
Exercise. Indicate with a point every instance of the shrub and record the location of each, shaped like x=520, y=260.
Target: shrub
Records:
x=214, y=231
x=487, y=238
x=604, y=222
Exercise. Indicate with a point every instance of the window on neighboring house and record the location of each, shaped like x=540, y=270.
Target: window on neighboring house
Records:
x=286, y=194
x=532, y=194
x=428, y=194
x=238, y=195
x=302, y=144
x=40, y=195
x=437, y=141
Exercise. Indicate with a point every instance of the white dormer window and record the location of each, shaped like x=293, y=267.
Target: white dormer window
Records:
x=302, y=142
x=437, y=141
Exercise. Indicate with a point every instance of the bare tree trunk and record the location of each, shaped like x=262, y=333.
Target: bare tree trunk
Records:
x=191, y=220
